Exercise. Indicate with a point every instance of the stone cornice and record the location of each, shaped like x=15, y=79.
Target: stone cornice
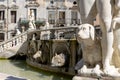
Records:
x=14, y=7
x=54, y=7
x=32, y=4
x=2, y=6
x=73, y=8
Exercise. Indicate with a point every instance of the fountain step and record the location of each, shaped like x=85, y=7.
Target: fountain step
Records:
x=10, y=77
x=92, y=78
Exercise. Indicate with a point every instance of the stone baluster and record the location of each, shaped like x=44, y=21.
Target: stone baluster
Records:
x=21, y=39
x=6, y=45
x=10, y=44
x=24, y=37
x=1, y=48
x=13, y=42
x=23, y=29
x=17, y=40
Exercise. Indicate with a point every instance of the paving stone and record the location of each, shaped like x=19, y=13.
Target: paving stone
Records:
x=83, y=78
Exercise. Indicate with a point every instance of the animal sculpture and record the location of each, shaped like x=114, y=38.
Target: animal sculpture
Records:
x=58, y=60
x=91, y=47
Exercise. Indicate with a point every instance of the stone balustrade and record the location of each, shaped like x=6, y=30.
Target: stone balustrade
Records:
x=53, y=33
x=13, y=41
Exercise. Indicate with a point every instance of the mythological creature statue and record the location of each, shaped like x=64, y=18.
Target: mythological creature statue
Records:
x=105, y=8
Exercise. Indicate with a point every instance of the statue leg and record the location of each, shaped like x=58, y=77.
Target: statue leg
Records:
x=87, y=10
x=104, y=8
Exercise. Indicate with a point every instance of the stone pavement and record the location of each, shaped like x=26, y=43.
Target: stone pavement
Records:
x=10, y=77
x=91, y=78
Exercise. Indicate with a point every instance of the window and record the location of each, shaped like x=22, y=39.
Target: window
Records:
x=74, y=17
x=34, y=13
x=2, y=15
x=13, y=16
x=61, y=17
x=2, y=37
x=51, y=17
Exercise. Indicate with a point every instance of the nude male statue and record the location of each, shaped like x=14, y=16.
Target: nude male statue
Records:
x=88, y=10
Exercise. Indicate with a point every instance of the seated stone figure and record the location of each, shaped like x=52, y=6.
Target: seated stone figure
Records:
x=92, y=53
x=91, y=48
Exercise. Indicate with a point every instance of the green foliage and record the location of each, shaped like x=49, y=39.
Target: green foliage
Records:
x=39, y=23
x=26, y=23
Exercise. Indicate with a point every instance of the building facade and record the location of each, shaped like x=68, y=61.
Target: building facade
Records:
x=56, y=12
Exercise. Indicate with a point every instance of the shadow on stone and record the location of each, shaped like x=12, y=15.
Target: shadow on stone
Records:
x=14, y=78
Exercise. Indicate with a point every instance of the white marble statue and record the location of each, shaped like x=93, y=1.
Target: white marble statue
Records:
x=18, y=32
x=116, y=29
x=32, y=20
x=88, y=10
x=58, y=60
x=47, y=25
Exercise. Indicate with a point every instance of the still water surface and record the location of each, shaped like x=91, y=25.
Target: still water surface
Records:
x=21, y=69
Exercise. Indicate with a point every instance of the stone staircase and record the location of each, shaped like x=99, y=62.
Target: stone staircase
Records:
x=13, y=46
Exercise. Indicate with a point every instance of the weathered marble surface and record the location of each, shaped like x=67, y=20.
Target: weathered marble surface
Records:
x=109, y=41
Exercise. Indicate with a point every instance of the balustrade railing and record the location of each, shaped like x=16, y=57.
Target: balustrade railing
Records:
x=53, y=33
x=19, y=39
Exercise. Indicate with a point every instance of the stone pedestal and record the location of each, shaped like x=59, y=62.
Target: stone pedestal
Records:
x=92, y=78
x=83, y=78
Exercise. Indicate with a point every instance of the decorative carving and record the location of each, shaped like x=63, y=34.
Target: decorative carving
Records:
x=2, y=6
x=61, y=53
x=58, y=60
x=33, y=4
x=43, y=54
x=14, y=7
x=32, y=49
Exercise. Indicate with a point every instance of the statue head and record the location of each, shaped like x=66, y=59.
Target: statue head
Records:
x=86, y=31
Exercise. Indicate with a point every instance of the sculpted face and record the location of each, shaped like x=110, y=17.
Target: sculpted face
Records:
x=85, y=31
x=37, y=54
x=58, y=60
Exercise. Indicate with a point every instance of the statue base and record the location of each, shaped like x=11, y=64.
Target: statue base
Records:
x=96, y=74
x=77, y=77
